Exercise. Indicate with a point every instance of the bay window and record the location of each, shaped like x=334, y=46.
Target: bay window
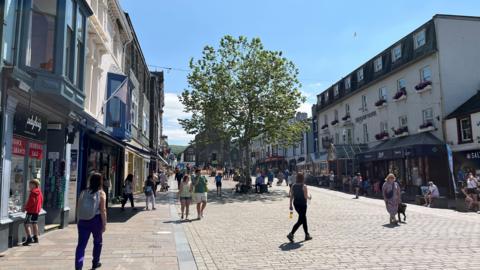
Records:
x=41, y=45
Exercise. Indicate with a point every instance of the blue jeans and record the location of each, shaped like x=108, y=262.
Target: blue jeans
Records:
x=93, y=226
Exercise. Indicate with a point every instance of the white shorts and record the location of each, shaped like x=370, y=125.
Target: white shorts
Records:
x=200, y=197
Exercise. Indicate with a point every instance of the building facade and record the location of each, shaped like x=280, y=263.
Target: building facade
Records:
x=391, y=108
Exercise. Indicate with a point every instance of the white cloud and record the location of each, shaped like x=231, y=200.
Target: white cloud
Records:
x=306, y=107
x=174, y=110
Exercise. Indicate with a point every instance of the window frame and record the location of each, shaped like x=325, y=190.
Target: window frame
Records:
x=399, y=84
x=398, y=48
x=422, y=73
x=383, y=127
x=134, y=110
x=336, y=91
x=364, y=103
x=403, y=121
x=461, y=139
x=415, y=39
x=378, y=64
x=325, y=117
x=382, y=93
x=347, y=109
x=425, y=117
x=360, y=72
x=335, y=115
x=348, y=82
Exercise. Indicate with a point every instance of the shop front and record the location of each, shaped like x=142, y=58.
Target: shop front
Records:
x=414, y=160
x=465, y=162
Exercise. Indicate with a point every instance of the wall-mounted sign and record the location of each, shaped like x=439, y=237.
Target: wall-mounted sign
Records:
x=29, y=124
x=35, y=150
x=473, y=155
x=19, y=147
x=365, y=116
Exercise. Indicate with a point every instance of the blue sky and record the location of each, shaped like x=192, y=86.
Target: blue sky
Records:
x=317, y=35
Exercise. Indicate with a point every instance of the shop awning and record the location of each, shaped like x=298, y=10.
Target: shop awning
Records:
x=422, y=144
x=163, y=160
x=139, y=150
x=318, y=157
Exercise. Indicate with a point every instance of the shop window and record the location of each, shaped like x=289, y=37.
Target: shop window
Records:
x=347, y=109
x=40, y=51
x=426, y=74
x=465, y=130
x=80, y=50
x=377, y=64
x=427, y=115
x=17, y=176
x=396, y=52
x=419, y=39
x=9, y=31
x=348, y=82
x=360, y=75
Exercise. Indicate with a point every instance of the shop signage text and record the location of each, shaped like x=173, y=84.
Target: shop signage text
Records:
x=29, y=124
x=19, y=147
x=365, y=116
x=473, y=155
x=35, y=150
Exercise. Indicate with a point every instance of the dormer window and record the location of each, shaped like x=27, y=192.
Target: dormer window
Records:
x=335, y=91
x=377, y=64
x=319, y=99
x=325, y=97
x=348, y=82
x=360, y=75
x=396, y=52
x=419, y=39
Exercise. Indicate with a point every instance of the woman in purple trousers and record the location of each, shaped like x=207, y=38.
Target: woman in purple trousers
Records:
x=92, y=219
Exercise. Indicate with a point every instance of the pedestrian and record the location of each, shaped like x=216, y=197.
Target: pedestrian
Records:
x=472, y=188
x=32, y=209
x=128, y=192
x=270, y=178
x=357, y=182
x=391, y=195
x=149, y=194
x=332, y=180
x=156, y=180
x=200, y=183
x=92, y=219
x=218, y=183
x=286, y=174
x=298, y=199
x=280, y=177
x=185, y=195
x=178, y=176
x=431, y=194
x=163, y=181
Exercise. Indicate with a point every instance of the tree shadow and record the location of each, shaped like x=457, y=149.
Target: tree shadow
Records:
x=291, y=246
x=230, y=196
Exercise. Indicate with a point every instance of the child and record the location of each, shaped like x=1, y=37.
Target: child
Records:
x=33, y=207
x=218, y=182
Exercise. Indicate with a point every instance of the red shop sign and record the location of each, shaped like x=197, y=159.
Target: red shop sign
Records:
x=36, y=150
x=19, y=147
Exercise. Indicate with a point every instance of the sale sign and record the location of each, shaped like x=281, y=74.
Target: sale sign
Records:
x=35, y=150
x=19, y=147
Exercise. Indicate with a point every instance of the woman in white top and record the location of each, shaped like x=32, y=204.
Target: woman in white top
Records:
x=472, y=188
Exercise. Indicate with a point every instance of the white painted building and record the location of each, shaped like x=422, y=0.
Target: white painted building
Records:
x=396, y=102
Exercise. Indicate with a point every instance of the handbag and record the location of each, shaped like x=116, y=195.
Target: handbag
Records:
x=389, y=194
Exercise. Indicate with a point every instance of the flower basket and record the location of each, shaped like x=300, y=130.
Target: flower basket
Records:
x=426, y=127
x=381, y=136
x=401, y=131
x=346, y=117
x=334, y=122
x=423, y=85
x=380, y=103
x=324, y=126
x=401, y=94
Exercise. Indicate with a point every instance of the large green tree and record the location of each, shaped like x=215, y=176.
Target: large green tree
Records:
x=243, y=91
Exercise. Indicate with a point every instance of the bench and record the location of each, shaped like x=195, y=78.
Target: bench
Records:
x=440, y=202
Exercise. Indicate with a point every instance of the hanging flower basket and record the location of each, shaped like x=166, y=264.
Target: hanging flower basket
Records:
x=401, y=94
x=334, y=122
x=382, y=135
x=324, y=126
x=380, y=103
x=423, y=85
x=401, y=131
x=346, y=117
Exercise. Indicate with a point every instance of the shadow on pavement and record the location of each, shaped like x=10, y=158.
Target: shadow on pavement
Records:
x=116, y=215
x=390, y=225
x=229, y=196
x=291, y=246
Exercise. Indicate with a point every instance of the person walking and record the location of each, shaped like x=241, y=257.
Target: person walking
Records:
x=149, y=194
x=92, y=219
x=218, y=183
x=391, y=195
x=280, y=177
x=185, y=195
x=128, y=192
x=270, y=176
x=32, y=209
x=200, y=183
x=472, y=188
x=357, y=182
x=298, y=199
x=178, y=176
x=286, y=174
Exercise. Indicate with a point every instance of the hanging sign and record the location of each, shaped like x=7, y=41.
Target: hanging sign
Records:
x=29, y=124
x=35, y=150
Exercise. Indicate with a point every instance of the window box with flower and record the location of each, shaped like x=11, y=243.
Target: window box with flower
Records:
x=381, y=103
x=400, y=95
x=382, y=136
x=346, y=117
x=426, y=127
x=334, y=122
x=423, y=87
x=324, y=126
x=400, y=132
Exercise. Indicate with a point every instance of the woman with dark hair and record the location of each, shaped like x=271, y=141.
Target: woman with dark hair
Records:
x=128, y=192
x=92, y=219
x=149, y=193
x=298, y=197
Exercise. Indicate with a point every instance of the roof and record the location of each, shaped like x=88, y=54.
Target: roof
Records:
x=470, y=106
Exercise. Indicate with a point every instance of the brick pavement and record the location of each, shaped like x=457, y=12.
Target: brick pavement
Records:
x=133, y=240
x=249, y=232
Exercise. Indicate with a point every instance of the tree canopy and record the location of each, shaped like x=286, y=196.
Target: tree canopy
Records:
x=243, y=91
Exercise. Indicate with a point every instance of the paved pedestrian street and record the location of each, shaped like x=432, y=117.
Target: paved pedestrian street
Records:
x=249, y=232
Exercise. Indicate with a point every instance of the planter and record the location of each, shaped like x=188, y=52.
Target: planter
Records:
x=425, y=89
x=324, y=126
x=384, y=105
x=426, y=129
x=346, y=118
x=334, y=123
x=403, y=134
x=402, y=97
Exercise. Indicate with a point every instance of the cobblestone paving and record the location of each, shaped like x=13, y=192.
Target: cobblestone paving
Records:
x=249, y=232
x=133, y=240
